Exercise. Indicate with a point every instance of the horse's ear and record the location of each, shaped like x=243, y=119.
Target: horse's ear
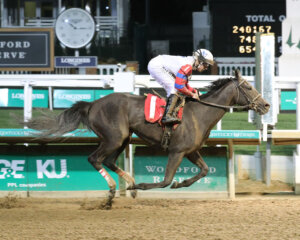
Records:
x=237, y=74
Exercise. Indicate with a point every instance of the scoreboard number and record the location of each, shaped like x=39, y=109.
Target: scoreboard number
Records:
x=251, y=29
x=235, y=24
x=247, y=38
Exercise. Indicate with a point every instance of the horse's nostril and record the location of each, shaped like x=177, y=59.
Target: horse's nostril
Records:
x=267, y=105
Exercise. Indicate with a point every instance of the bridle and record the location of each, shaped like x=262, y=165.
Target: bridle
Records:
x=251, y=103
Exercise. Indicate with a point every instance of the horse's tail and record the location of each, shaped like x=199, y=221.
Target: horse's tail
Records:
x=66, y=121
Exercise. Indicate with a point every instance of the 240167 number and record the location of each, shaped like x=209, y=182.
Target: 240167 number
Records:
x=251, y=29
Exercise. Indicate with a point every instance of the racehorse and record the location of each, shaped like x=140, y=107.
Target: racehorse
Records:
x=115, y=117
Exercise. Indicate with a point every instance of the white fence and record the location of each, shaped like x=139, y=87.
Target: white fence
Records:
x=102, y=69
x=247, y=65
x=29, y=81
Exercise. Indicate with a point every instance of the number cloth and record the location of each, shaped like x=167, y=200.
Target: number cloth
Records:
x=155, y=107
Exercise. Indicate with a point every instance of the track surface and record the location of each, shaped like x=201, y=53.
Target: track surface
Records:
x=246, y=217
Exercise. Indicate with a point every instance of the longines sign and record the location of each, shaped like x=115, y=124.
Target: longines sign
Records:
x=26, y=49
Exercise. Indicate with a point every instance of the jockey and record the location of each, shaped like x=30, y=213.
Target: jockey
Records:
x=174, y=72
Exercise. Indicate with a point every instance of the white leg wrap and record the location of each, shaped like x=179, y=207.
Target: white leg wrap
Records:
x=125, y=176
x=111, y=183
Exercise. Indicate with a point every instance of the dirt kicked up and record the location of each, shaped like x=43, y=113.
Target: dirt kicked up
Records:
x=246, y=217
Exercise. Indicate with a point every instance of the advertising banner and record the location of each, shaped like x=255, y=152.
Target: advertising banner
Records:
x=76, y=62
x=151, y=168
x=102, y=93
x=15, y=98
x=243, y=134
x=50, y=173
x=65, y=98
x=26, y=49
x=288, y=100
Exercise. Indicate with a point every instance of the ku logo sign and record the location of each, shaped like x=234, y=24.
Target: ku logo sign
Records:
x=44, y=168
x=48, y=168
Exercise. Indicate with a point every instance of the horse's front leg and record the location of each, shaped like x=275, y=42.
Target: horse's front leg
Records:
x=195, y=158
x=174, y=160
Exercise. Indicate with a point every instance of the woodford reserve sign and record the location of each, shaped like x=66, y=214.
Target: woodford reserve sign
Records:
x=26, y=49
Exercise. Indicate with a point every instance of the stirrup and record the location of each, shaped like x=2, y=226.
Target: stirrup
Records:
x=165, y=141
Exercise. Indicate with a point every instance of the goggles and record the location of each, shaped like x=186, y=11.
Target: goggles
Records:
x=204, y=64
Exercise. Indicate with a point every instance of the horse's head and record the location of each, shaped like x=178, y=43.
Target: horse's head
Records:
x=248, y=95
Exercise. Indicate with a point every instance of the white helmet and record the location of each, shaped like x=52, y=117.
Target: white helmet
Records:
x=203, y=55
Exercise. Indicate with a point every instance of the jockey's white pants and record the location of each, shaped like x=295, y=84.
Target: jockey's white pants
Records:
x=163, y=77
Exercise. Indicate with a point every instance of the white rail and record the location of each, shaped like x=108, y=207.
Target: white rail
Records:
x=44, y=22
x=197, y=81
x=29, y=81
x=56, y=80
x=247, y=65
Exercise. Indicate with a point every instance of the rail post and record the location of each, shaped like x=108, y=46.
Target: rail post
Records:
x=27, y=100
x=296, y=157
x=231, y=183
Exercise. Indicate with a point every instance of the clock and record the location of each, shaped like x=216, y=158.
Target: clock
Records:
x=75, y=28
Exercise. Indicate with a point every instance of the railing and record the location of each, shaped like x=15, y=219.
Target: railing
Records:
x=246, y=65
x=102, y=69
x=28, y=81
x=110, y=69
x=108, y=28
x=106, y=23
x=40, y=22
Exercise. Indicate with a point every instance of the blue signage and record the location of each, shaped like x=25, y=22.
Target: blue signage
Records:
x=76, y=62
x=288, y=100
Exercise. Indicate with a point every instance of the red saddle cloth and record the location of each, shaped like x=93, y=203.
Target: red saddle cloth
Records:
x=155, y=107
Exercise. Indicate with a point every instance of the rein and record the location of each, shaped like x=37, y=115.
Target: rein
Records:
x=251, y=103
x=222, y=106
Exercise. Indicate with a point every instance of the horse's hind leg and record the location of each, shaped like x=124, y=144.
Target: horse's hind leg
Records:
x=107, y=154
x=173, y=163
x=195, y=158
x=96, y=161
x=110, y=163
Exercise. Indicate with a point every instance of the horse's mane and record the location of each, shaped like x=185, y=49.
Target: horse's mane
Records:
x=216, y=85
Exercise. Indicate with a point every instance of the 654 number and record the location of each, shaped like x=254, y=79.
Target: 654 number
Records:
x=246, y=49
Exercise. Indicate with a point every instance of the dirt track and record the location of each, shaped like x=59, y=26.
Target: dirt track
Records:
x=253, y=217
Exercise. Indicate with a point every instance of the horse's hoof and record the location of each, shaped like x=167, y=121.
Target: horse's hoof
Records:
x=111, y=193
x=133, y=193
x=175, y=184
x=106, y=206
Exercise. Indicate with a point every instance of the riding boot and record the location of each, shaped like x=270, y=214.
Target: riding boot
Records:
x=169, y=111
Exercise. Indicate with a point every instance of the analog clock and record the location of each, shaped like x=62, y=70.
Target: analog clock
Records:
x=75, y=28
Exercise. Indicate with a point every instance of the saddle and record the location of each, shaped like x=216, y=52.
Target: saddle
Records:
x=154, y=111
